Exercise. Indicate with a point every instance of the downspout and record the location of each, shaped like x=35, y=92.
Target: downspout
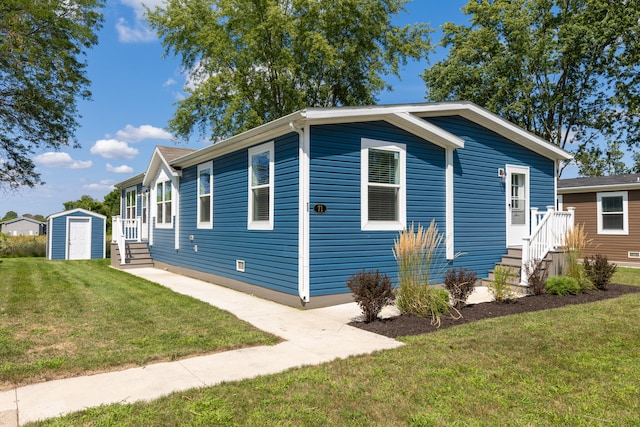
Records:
x=303, y=211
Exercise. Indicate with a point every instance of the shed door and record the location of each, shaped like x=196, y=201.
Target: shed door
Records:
x=517, y=190
x=79, y=238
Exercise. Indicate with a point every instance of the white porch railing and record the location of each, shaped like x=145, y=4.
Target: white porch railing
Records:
x=548, y=231
x=123, y=230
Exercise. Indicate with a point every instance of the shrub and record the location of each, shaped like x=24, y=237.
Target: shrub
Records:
x=424, y=301
x=372, y=292
x=599, y=271
x=562, y=285
x=536, y=276
x=500, y=286
x=460, y=284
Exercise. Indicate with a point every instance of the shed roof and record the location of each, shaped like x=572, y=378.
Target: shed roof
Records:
x=22, y=218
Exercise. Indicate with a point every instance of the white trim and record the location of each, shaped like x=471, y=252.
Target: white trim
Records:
x=303, y=209
x=365, y=224
x=425, y=130
x=204, y=224
x=69, y=219
x=599, y=188
x=163, y=179
x=251, y=223
x=127, y=190
x=175, y=211
x=449, y=205
x=76, y=210
x=625, y=212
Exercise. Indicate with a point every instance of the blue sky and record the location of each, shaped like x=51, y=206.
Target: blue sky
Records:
x=134, y=90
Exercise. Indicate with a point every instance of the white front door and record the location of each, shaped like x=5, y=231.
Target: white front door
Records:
x=144, y=198
x=517, y=190
x=79, y=230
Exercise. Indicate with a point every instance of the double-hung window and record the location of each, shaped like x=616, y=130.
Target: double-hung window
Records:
x=163, y=203
x=261, y=175
x=383, y=185
x=130, y=203
x=205, y=195
x=613, y=213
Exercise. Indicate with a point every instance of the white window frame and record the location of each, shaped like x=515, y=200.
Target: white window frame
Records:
x=253, y=151
x=164, y=182
x=625, y=212
x=401, y=223
x=134, y=206
x=200, y=223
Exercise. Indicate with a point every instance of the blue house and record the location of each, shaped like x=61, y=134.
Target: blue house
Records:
x=290, y=209
x=76, y=234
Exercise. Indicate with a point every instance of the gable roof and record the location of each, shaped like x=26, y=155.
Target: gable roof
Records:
x=76, y=210
x=599, y=183
x=411, y=117
x=22, y=218
x=164, y=155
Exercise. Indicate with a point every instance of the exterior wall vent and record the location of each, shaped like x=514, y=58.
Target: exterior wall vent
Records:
x=240, y=265
x=634, y=254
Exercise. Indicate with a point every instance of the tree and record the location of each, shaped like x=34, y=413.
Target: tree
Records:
x=10, y=215
x=42, y=44
x=566, y=70
x=86, y=202
x=252, y=61
x=111, y=203
x=593, y=161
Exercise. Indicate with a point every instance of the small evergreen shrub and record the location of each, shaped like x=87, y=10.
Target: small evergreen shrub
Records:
x=372, y=291
x=460, y=284
x=599, y=271
x=536, y=276
x=500, y=286
x=562, y=285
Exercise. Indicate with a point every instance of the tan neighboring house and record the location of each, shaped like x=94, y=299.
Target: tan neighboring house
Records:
x=23, y=226
x=609, y=208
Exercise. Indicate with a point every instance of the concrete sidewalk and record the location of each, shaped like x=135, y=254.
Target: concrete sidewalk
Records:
x=311, y=337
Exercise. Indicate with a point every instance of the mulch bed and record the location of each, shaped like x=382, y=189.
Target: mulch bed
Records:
x=409, y=324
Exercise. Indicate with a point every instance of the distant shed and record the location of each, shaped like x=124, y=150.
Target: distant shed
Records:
x=76, y=234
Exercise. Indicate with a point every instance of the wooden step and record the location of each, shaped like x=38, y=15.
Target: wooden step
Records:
x=137, y=255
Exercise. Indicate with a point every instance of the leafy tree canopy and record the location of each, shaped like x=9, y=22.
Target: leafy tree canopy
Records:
x=566, y=70
x=42, y=44
x=252, y=61
x=10, y=215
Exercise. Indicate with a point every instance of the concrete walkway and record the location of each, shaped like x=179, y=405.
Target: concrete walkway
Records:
x=311, y=337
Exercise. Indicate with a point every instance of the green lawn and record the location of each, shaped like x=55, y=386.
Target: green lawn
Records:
x=66, y=318
x=577, y=365
x=627, y=276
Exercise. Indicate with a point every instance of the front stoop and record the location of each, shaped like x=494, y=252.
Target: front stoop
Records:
x=137, y=255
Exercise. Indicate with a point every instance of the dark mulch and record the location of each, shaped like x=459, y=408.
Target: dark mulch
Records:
x=408, y=324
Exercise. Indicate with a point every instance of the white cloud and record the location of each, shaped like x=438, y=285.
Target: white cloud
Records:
x=136, y=33
x=170, y=82
x=61, y=160
x=135, y=134
x=119, y=169
x=114, y=149
x=105, y=184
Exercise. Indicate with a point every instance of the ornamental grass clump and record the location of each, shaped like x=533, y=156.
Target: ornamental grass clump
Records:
x=575, y=242
x=416, y=251
x=500, y=286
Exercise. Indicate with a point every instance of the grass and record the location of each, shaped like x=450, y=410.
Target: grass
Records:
x=627, y=276
x=65, y=318
x=577, y=365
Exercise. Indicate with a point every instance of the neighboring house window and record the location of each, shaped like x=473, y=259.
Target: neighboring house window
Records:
x=130, y=203
x=261, y=175
x=205, y=196
x=613, y=213
x=383, y=185
x=163, y=203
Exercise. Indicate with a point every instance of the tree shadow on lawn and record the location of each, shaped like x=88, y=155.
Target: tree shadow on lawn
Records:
x=409, y=324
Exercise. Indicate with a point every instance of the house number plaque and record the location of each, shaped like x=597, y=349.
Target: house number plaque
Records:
x=319, y=208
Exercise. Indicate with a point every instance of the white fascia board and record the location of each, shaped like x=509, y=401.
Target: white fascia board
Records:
x=599, y=188
x=76, y=210
x=497, y=124
x=425, y=130
x=157, y=160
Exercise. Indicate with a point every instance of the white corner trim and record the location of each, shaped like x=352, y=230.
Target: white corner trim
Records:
x=303, y=208
x=449, y=205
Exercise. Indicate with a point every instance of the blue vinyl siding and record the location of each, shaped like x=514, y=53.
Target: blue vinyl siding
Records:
x=479, y=194
x=58, y=235
x=271, y=257
x=338, y=247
